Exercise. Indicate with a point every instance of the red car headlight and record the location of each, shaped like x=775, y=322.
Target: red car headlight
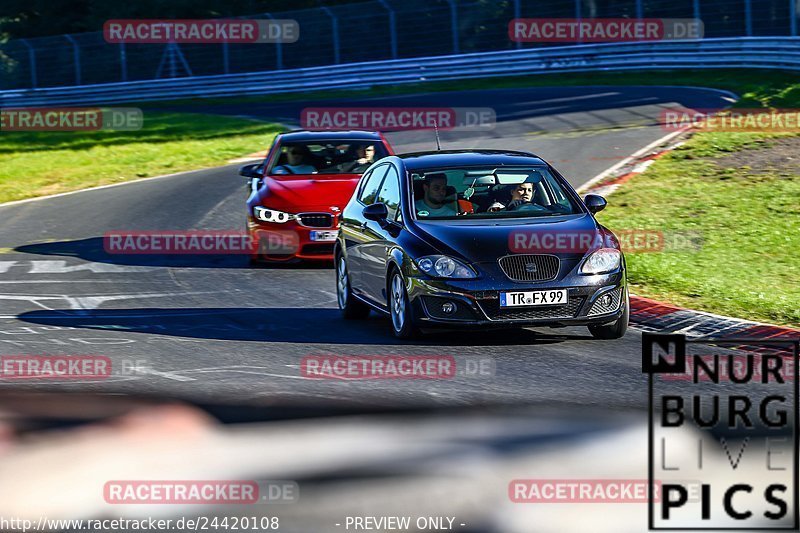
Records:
x=266, y=214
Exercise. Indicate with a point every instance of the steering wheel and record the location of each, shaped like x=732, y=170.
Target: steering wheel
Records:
x=528, y=206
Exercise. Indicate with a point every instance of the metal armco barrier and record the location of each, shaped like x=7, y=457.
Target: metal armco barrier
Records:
x=739, y=52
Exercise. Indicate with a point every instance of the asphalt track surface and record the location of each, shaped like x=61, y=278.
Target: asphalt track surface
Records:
x=214, y=328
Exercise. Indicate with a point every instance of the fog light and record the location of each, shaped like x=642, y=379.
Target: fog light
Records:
x=605, y=300
x=448, y=308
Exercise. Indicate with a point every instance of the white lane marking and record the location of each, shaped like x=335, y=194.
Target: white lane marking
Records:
x=89, y=303
x=109, y=186
x=38, y=281
x=212, y=212
x=240, y=369
x=574, y=98
x=50, y=381
x=627, y=160
x=6, y=265
x=168, y=375
x=644, y=165
x=174, y=376
x=61, y=267
x=30, y=298
x=166, y=313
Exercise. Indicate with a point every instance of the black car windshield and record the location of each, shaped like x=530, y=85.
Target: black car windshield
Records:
x=468, y=193
x=327, y=157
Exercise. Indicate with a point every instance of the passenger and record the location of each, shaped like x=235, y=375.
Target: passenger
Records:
x=365, y=156
x=296, y=162
x=433, y=203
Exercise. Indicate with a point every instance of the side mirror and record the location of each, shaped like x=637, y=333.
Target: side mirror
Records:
x=377, y=212
x=251, y=171
x=595, y=203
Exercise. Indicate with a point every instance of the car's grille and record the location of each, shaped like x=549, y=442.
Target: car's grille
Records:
x=318, y=249
x=601, y=308
x=529, y=267
x=315, y=220
x=491, y=306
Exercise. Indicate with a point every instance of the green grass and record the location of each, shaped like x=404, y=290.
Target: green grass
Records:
x=38, y=163
x=749, y=219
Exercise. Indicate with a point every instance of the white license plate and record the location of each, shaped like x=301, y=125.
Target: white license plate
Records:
x=324, y=236
x=530, y=298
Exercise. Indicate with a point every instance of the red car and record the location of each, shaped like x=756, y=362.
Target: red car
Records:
x=299, y=190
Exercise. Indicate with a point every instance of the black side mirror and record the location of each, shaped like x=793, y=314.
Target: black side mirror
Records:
x=251, y=171
x=595, y=203
x=377, y=212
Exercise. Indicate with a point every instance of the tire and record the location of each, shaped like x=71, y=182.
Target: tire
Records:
x=402, y=315
x=615, y=330
x=352, y=309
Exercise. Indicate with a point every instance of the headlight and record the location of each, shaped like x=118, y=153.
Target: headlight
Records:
x=601, y=261
x=442, y=266
x=271, y=215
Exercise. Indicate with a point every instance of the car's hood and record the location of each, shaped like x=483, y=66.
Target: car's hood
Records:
x=486, y=240
x=319, y=192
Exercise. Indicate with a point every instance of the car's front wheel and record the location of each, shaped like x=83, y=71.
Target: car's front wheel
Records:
x=617, y=329
x=350, y=306
x=400, y=309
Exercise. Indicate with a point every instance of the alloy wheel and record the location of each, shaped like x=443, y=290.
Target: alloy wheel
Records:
x=398, y=303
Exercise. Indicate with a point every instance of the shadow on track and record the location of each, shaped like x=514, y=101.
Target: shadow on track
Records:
x=290, y=325
x=91, y=249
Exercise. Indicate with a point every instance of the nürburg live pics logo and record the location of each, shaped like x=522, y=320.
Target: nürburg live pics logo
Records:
x=724, y=412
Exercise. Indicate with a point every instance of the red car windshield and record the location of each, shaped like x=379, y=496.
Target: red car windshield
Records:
x=327, y=157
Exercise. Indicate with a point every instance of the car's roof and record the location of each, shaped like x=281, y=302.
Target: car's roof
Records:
x=306, y=135
x=446, y=158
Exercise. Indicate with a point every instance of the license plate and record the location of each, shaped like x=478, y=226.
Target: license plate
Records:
x=325, y=236
x=530, y=298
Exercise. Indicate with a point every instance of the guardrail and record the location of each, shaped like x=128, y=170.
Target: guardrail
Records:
x=740, y=52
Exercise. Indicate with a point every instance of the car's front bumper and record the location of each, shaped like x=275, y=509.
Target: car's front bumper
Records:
x=477, y=302
x=289, y=242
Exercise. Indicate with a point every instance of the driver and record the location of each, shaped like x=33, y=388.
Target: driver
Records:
x=521, y=196
x=296, y=158
x=433, y=201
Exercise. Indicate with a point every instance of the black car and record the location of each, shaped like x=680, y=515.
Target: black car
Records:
x=482, y=238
